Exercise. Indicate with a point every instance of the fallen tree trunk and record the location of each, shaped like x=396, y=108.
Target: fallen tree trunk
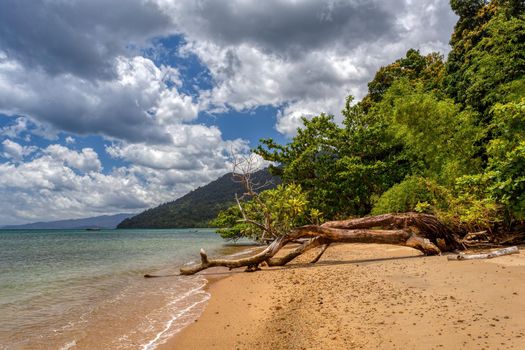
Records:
x=428, y=226
x=420, y=231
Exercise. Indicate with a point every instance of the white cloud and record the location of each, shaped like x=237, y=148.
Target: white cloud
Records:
x=248, y=77
x=85, y=160
x=123, y=108
x=16, y=129
x=173, y=107
x=47, y=188
x=303, y=56
x=194, y=148
x=15, y=151
x=60, y=182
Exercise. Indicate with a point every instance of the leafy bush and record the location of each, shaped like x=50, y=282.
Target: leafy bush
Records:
x=470, y=204
x=278, y=210
x=413, y=194
x=507, y=157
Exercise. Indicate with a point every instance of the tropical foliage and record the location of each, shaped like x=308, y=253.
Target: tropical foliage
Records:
x=273, y=213
x=443, y=137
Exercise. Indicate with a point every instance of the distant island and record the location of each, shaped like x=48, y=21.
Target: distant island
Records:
x=96, y=222
x=198, y=207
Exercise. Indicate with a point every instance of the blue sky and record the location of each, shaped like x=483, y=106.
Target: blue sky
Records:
x=118, y=106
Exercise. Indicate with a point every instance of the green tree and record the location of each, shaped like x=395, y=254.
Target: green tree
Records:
x=427, y=69
x=340, y=167
x=466, y=8
x=507, y=157
x=487, y=62
x=267, y=215
x=440, y=138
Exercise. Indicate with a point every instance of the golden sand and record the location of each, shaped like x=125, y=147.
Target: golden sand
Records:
x=365, y=296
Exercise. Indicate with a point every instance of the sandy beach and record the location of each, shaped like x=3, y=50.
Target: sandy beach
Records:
x=365, y=297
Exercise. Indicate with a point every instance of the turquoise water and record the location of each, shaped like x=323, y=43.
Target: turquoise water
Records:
x=84, y=289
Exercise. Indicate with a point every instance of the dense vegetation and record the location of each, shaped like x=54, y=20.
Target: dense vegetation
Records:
x=198, y=207
x=432, y=136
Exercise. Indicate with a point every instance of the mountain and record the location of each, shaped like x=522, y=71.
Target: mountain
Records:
x=104, y=221
x=198, y=207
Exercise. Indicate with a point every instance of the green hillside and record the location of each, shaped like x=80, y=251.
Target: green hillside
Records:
x=198, y=207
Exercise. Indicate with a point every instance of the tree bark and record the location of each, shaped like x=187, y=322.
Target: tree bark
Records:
x=428, y=226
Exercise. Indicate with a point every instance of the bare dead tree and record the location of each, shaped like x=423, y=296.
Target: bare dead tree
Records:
x=244, y=168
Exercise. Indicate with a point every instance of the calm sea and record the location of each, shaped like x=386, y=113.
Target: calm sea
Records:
x=76, y=289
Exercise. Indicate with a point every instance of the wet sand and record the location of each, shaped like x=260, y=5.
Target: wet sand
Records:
x=366, y=297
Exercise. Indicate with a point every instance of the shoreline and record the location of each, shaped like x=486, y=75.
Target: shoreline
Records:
x=210, y=277
x=364, y=296
x=88, y=292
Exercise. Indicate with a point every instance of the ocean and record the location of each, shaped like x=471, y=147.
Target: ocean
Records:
x=77, y=289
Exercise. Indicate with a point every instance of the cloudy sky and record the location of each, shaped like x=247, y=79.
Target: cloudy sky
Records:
x=117, y=106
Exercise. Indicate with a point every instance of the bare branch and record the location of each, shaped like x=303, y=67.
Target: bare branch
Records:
x=323, y=249
x=240, y=207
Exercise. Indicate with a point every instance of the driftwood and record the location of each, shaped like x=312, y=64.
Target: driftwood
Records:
x=489, y=255
x=420, y=231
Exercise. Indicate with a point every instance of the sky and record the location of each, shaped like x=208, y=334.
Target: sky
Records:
x=111, y=106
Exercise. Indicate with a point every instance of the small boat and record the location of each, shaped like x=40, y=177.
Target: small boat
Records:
x=93, y=229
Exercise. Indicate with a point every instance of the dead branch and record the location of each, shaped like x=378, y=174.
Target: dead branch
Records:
x=320, y=254
x=256, y=259
x=243, y=169
x=304, y=247
x=489, y=255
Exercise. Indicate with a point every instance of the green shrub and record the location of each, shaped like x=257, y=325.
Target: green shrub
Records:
x=279, y=210
x=507, y=157
x=470, y=205
x=413, y=194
